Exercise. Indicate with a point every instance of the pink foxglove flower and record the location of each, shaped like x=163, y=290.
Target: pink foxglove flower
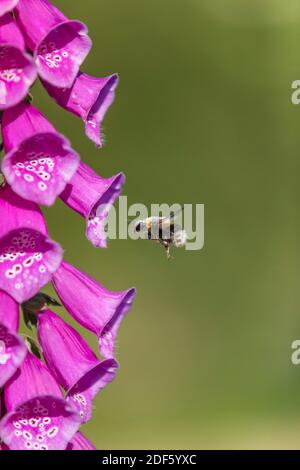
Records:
x=38, y=417
x=94, y=307
x=80, y=442
x=28, y=258
x=38, y=166
x=39, y=162
x=92, y=197
x=59, y=45
x=7, y=5
x=89, y=98
x=17, y=68
x=73, y=363
x=12, y=347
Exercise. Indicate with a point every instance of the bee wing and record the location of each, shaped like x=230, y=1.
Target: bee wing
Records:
x=177, y=228
x=166, y=222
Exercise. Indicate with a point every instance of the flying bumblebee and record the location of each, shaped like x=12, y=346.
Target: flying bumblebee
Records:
x=164, y=230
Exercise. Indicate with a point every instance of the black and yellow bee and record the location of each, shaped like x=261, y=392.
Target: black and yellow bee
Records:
x=163, y=230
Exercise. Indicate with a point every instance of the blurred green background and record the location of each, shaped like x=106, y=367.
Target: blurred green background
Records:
x=202, y=115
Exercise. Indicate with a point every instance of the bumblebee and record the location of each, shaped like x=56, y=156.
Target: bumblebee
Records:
x=164, y=230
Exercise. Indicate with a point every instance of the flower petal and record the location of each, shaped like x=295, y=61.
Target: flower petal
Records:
x=36, y=26
x=21, y=122
x=67, y=354
x=33, y=379
x=5, y=447
x=98, y=110
x=81, y=396
x=17, y=69
x=73, y=363
x=92, y=197
x=59, y=45
x=42, y=423
x=10, y=33
x=61, y=53
x=12, y=353
x=38, y=163
x=9, y=312
x=27, y=261
x=92, y=305
x=89, y=98
x=38, y=417
x=41, y=167
x=80, y=442
x=17, y=74
x=7, y=5
x=109, y=333
x=28, y=258
x=95, y=230
x=12, y=347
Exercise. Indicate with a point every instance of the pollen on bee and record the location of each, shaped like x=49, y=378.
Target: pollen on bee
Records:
x=180, y=238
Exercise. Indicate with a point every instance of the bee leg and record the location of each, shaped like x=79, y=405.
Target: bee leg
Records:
x=167, y=248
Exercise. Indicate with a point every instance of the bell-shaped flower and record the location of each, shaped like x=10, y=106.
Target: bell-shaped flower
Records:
x=38, y=417
x=89, y=98
x=59, y=45
x=17, y=68
x=7, y=5
x=73, y=363
x=28, y=258
x=12, y=347
x=38, y=162
x=94, y=307
x=80, y=442
x=92, y=197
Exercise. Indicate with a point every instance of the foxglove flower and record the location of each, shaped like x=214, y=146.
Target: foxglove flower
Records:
x=92, y=197
x=39, y=162
x=94, y=307
x=89, y=98
x=59, y=45
x=7, y=5
x=80, y=442
x=73, y=363
x=12, y=347
x=38, y=417
x=38, y=166
x=28, y=258
x=17, y=69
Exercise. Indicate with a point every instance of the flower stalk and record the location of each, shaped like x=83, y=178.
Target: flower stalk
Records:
x=50, y=379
